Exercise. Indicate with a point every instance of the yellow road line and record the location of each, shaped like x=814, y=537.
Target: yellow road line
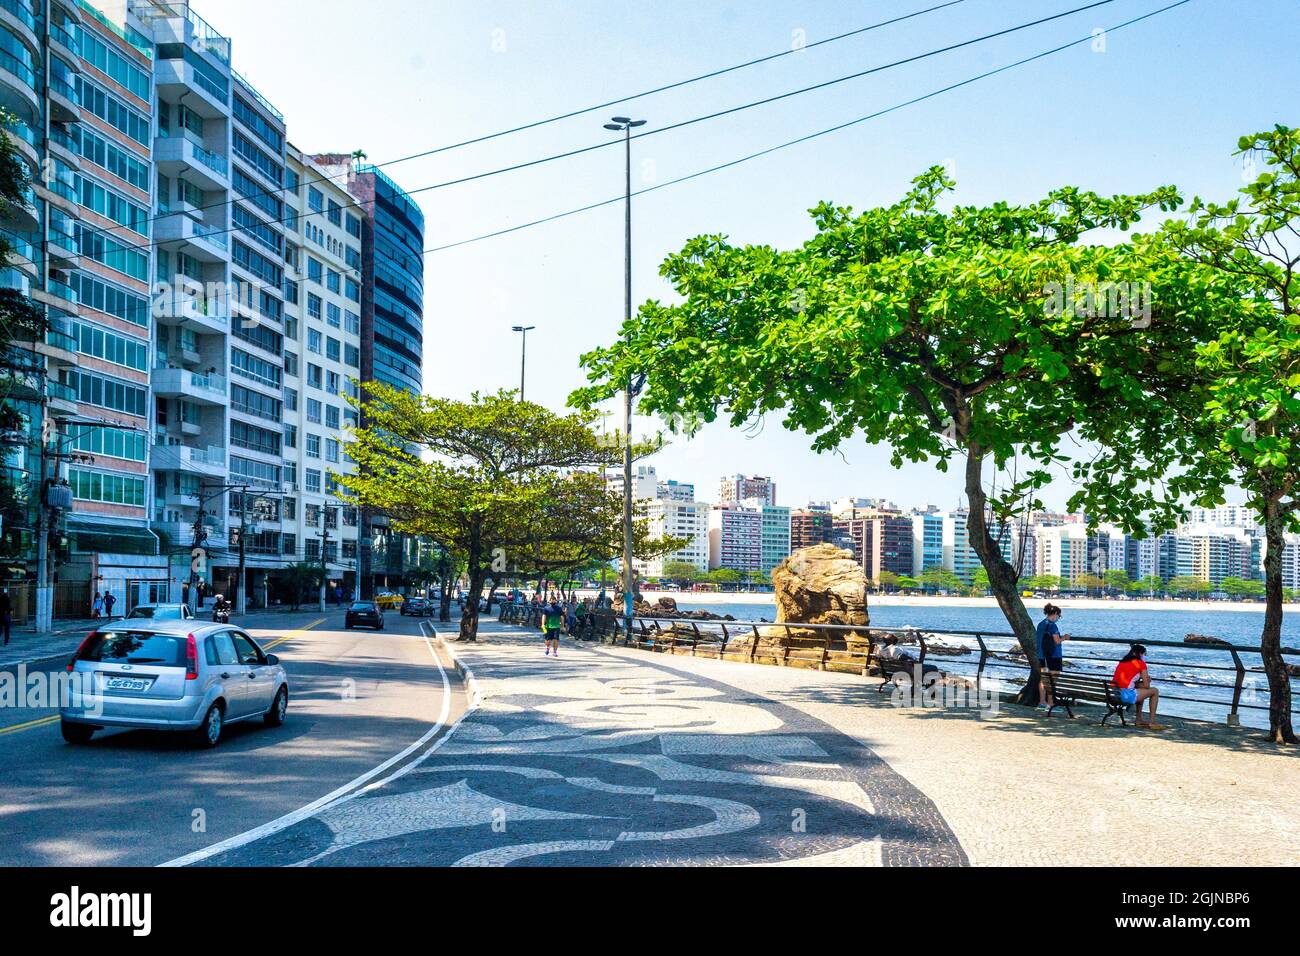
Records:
x=290, y=636
x=28, y=725
x=43, y=721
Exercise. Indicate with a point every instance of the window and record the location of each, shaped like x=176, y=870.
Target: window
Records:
x=332, y=279
x=263, y=130
x=352, y=356
x=104, y=297
x=256, y=369
x=313, y=375
x=354, y=291
x=113, y=110
x=108, y=251
x=333, y=349
x=290, y=436
x=120, y=162
x=315, y=199
x=313, y=305
x=290, y=364
x=313, y=411
x=112, y=442
x=109, y=346
x=314, y=269
x=333, y=315
x=352, y=323
x=332, y=417
x=291, y=399
x=291, y=180
x=335, y=213
x=106, y=392
x=313, y=446
x=290, y=543
x=313, y=341
x=259, y=159
x=313, y=480
x=353, y=226
x=332, y=382
x=353, y=258
x=331, y=450
x=110, y=489
x=255, y=439
x=290, y=508
x=249, y=402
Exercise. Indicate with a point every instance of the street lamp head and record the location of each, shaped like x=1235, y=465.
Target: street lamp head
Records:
x=635, y=123
x=622, y=119
x=614, y=126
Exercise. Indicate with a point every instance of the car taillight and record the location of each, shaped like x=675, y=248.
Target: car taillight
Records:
x=81, y=647
x=191, y=658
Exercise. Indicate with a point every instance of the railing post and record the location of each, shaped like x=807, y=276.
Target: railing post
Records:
x=723, y=652
x=785, y=658
x=979, y=671
x=753, y=650
x=1234, y=718
x=695, y=643
x=826, y=650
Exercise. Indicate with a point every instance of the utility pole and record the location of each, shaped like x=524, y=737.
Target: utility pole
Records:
x=241, y=604
x=324, y=550
x=198, y=554
x=625, y=125
x=44, y=593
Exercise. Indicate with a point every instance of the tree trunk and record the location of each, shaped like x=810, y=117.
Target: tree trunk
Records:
x=477, y=574
x=1270, y=642
x=1003, y=581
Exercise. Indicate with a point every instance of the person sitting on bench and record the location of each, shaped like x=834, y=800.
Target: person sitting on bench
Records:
x=1133, y=681
x=1050, y=653
x=891, y=651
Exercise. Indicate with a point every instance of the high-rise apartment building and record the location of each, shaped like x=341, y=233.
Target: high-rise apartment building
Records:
x=210, y=290
x=808, y=528
x=741, y=487
x=669, y=517
x=735, y=537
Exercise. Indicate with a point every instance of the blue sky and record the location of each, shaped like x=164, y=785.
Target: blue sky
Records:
x=1164, y=102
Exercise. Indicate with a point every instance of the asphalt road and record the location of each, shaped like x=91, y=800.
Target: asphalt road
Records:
x=357, y=700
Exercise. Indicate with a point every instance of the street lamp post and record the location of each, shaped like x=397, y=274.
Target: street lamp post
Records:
x=625, y=125
x=523, y=354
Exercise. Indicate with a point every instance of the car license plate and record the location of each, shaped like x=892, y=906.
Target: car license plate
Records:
x=127, y=683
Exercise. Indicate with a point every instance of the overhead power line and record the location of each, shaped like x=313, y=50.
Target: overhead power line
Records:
x=802, y=139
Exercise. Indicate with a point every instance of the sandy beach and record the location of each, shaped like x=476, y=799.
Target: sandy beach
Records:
x=902, y=600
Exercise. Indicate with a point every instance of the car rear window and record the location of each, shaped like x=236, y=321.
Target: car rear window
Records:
x=134, y=647
x=143, y=612
x=361, y=606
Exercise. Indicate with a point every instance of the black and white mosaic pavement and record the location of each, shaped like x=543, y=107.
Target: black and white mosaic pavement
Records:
x=601, y=759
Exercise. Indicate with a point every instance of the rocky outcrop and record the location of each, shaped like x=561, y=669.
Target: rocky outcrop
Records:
x=1206, y=640
x=818, y=585
x=666, y=607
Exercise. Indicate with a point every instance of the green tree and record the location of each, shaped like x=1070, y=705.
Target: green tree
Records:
x=944, y=334
x=1232, y=414
x=503, y=476
x=1151, y=585
x=979, y=582
x=888, y=581
x=1116, y=580
x=940, y=579
x=301, y=578
x=681, y=573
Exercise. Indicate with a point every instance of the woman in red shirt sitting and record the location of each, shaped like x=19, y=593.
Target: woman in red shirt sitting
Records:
x=1134, y=683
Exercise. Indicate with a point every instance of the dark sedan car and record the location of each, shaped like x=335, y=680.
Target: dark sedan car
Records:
x=364, y=614
x=417, y=607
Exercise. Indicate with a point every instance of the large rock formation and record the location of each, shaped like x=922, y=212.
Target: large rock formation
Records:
x=820, y=585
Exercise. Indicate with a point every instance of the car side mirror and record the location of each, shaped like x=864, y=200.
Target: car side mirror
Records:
x=272, y=660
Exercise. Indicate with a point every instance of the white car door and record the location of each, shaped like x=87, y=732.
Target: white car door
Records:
x=232, y=673
x=260, y=682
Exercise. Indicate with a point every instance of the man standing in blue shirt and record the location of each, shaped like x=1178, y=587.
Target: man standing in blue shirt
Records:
x=1050, y=654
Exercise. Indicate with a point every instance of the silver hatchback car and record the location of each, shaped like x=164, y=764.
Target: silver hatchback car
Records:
x=172, y=675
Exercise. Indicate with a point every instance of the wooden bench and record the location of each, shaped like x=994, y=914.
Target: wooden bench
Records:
x=1068, y=689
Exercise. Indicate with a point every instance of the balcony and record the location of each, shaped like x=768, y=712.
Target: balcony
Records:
x=60, y=345
x=27, y=141
x=182, y=157
x=18, y=16
x=188, y=309
x=197, y=239
x=178, y=78
x=57, y=295
x=18, y=87
x=61, y=397
x=63, y=250
x=64, y=42
x=203, y=389
x=20, y=216
x=65, y=105
x=209, y=462
x=65, y=145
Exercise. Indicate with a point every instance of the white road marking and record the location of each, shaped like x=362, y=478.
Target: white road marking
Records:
x=342, y=793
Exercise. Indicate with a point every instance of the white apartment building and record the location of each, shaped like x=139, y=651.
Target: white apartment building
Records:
x=735, y=537
x=678, y=519
x=645, y=482
x=736, y=488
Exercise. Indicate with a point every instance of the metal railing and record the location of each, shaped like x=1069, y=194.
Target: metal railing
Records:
x=1189, y=684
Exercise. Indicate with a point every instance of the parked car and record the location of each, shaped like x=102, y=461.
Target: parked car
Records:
x=161, y=612
x=417, y=607
x=174, y=675
x=364, y=614
x=387, y=599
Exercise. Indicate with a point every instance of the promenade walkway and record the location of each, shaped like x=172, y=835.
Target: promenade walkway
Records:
x=616, y=756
